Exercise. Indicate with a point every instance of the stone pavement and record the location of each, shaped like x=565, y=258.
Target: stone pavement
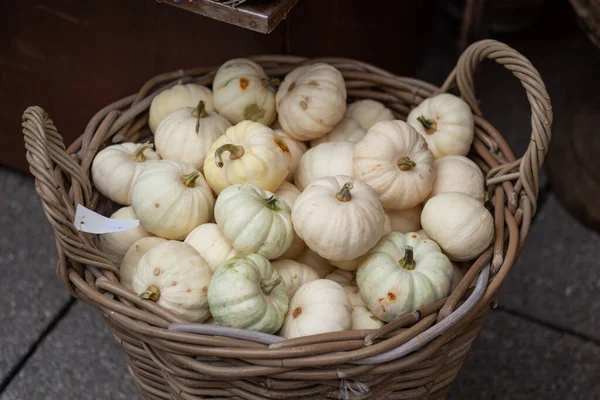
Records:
x=542, y=342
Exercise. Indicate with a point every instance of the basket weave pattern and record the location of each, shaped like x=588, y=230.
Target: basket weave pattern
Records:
x=415, y=357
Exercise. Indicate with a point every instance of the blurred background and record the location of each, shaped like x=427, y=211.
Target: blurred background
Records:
x=73, y=58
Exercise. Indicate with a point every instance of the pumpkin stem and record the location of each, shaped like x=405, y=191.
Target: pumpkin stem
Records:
x=344, y=195
x=138, y=154
x=152, y=293
x=199, y=112
x=268, y=286
x=429, y=124
x=271, y=83
x=235, y=152
x=189, y=180
x=271, y=203
x=408, y=262
x=406, y=164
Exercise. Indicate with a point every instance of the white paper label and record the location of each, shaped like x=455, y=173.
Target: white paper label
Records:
x=89, y=221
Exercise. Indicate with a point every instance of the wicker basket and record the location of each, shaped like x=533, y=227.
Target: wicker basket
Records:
x=588, y=15
x=415, y=357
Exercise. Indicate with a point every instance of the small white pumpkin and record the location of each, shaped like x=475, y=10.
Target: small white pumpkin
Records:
x=254, y=221
x=347, y=130
x=311, y=101
x=387, y=224
x=369, y=112
x=346, y=265
x=176, y=277
x=171, y=198
x=178, y=96
x=116, y=244
x=403, y=273
x=255, y=155
x=289, y=193
x=297, y=149
x=341, y=276
x=133, y=256
x=339, y=217
x=319, y=306
x=242, y=91
x=461, y=225
x=446, y=123
x=294, y=274
x=362, y=318
x=248, y=293
x=458, y=174
x=326, y=159
x=404, y=221
x=394, y=160
x=315, y=261
x=186, y=134
x=208, y=240
x=115, y=168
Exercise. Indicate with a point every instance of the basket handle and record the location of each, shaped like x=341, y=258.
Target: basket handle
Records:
x=541, y=110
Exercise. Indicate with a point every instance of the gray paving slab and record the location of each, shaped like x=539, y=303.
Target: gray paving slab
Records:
x=515, y=359
x=31, y=294
x=79, y=360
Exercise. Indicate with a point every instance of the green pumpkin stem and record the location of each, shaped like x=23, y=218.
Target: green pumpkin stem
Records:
x=138, y=154
x=271, y=83
x=199, y=112
x=152, y=293
x=189, y=180
x=235, y=152
x=268, y=286
x=406, y=164
x=271, y=203
x=429, y=125
x=408, y=262
x=344, y=195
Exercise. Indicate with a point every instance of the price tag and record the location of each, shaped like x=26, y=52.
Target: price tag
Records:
x=89, y=221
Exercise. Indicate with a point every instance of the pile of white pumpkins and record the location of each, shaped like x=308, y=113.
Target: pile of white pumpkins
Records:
x=275, y=207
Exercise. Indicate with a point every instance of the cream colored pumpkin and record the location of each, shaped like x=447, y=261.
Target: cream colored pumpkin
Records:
x=255, y=155
x=346, y=265
x=347, y=130
x=171, y=198
x=461, y=225
x=297, y=149
x=115, y=168
x=319, y=306
x=133, y=256
x=178, y=96
x=294, y=274
x=254, y=221
x=289, y=193
x=341, y=276
x=176, y=277
x=326, y=159
x=210, y=243
x=368, y=112
x=242, y=91
x=362, y=318
x=186, y=134
x=321, y=266
x=311, y=101
x=387, y=224
x=446, y=123
x=248, y=293
x=458, y=174
x=116, y=244
x=394, y=160
x=405, y=221
x=403, y=273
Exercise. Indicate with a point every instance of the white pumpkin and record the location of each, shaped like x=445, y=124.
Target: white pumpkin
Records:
x=346, y=265
x=458, y=174
x=326, y=159
x=339, y=217
x=319, y=306
x=461, y=225
x=178, y=96
x=133, y=256
x=362, y=318
x=254, y=221
x=311, y=101
x=289, y=193
x=116, y=244
x=341, y=276
x=347, y=130
x=403, y=273
x=369, y=112
x=294, y=274
x=387, y=224
x=208, y=240
x=321, y=266
x=254, y=155
x=186, y=134
x=394, y=160
x=404, y=221
x=115, y=168
x=176, y=277
x=171, y=198
x=242, y=91
x=247, y=293
x=297, y=149
x=446, y=123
